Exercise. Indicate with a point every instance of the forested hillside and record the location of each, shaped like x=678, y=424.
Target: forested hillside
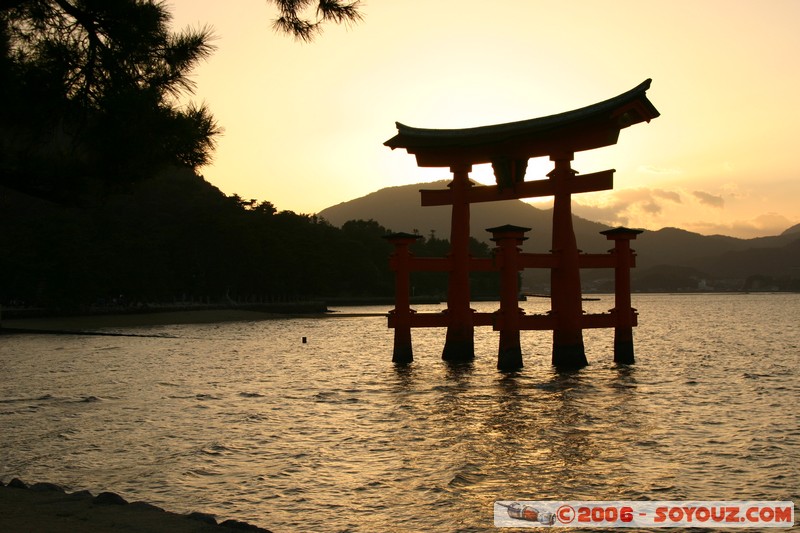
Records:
x=174, y=238
x=101, y=203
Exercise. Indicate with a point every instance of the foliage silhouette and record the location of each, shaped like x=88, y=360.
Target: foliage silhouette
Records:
x=90, y=91
x=293, y=22
x=101, y=205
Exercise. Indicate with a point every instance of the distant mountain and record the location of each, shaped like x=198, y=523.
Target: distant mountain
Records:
x=670, y=256
x=399, y=209
x=712, y=252
x=793, y=230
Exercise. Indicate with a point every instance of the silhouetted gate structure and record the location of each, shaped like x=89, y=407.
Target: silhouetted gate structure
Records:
x=508, y=147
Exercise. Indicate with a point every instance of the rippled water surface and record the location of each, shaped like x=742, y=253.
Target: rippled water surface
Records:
x=246, y=421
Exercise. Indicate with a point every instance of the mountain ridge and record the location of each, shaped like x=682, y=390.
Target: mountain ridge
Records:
x=708, y=257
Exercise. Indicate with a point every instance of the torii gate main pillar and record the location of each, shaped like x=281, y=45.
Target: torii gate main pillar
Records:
x=459, y=343
x=565, y=279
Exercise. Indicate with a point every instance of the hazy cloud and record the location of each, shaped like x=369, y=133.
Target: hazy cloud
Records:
x=623, y=205
x=668, y=195
x=734, y=191
x=656, y=208
x=709, y=199
x=765, y=224
x=660, y=171
x=611, y=215
x=651, y=207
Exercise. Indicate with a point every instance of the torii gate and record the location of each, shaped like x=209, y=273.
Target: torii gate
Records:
x=508, y=147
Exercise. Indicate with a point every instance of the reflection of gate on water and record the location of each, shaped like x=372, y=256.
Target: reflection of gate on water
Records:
x=508, y=147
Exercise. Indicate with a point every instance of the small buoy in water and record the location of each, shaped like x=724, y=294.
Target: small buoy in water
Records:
x=304, y=340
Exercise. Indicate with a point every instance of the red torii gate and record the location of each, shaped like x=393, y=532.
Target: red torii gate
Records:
x=508, y=147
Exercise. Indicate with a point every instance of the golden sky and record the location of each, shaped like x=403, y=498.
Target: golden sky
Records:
x=305, y=123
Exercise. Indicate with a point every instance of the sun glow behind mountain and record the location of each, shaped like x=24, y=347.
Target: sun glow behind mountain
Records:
x=305, y=123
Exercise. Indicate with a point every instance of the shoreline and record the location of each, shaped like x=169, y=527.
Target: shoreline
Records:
x=89, y=324
x=77, y=323
x=46, y=507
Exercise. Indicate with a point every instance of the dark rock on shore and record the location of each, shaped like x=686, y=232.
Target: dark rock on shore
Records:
x=110, y=498
x=47, y=507
x=47, y=487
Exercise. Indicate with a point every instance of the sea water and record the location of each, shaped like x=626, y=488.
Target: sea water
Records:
x=304, y=424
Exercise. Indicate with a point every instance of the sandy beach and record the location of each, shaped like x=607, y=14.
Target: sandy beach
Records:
x=46, y=508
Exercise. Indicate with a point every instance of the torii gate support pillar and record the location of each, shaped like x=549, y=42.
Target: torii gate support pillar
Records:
x=509, y=238
x=400, y=316
x=625, y=315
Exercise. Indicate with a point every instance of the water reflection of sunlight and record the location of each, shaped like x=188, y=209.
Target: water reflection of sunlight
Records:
x=333, y=426
x=458, y=372
x=405, y=376
x=537, y=433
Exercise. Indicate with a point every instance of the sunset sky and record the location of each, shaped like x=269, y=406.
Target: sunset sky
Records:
x=305, y=122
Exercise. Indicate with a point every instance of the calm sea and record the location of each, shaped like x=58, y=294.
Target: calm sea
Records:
x=246, y=421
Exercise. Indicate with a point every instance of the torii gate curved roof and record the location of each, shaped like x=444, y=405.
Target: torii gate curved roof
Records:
x=582, y=129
